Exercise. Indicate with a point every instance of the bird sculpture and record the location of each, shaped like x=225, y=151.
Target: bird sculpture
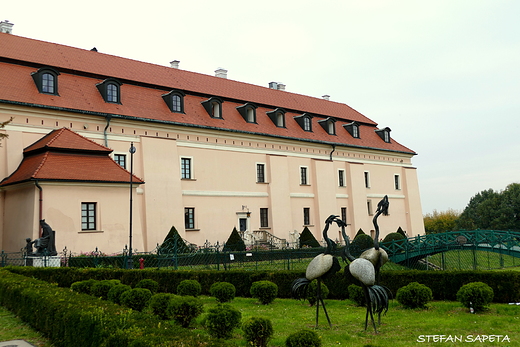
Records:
x=322, y=266
x=366, y=269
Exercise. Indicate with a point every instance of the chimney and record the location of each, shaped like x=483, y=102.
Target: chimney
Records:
x=326, y=97
x=220, y=72
x=281, y=86
x=6, y=27
x=273, y=85
x=174, y=64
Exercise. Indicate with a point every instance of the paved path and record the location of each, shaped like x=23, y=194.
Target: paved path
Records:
x=15, y=343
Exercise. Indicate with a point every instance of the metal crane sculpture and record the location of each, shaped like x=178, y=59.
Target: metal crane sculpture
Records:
x=323, y=265
x=366, y=269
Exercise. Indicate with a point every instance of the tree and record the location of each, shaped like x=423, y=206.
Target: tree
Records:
x=307, y=239
x=173, y=243
x=235, y=242
x=441, y=222
x=2, y=125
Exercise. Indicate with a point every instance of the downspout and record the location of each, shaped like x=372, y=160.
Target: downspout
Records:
x=40, y=212
x=108, y=117
x=333, y=149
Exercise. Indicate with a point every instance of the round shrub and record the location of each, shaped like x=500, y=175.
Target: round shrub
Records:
x=312, y=291
x=189, y=287
x=159, y=305
x=223, y=291
x=476, y=294
x=356, y=294
x=83, y=286
x=184, y=309
x=398, y=237
x=100, y=289
x=265, y=291
x=149, y=284
x=360, y=243
x=414, y=295
x=136, y=299
x=221, y=320
x=257, y=331
x=303, y=338
x=114, y=294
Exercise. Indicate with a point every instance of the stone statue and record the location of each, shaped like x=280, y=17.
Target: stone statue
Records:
x=29, y=246
x=45, y=244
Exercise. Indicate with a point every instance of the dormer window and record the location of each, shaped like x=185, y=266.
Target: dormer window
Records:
x=384, y=134
x=353, y=129
x=328, y=125
x=110, y=90
x=248, y=112
x=304, y=121
x=46, y=80
x=213, y=106
x=277, y=117
x=175, y=101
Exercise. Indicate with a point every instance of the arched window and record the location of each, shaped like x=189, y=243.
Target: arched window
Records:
x=112, y=93
x=110, y=90
x=305, y=121
x=175, y=101
x=353, y=129
x=213, y=107
x=277, y=117
x=46, y=80
x=328, y=125
x=248, y=112
x=384, y=134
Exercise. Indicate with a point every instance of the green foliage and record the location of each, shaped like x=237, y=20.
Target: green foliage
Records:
x=223, y=291
x=355, y=293
x=402, y=232
x=360, y=232
x=173, y=244
x=114, y=294
x=159, y=305
x=398, y=237
x=476, y=294
x=189, y=287
x=184, y=309
x=234, y=242
x=360, y=243
x=149, y=284
x=307, y=239
x=312, y=290
x=258, y=331
x=221, y=320
x=441, y=222
x=265, y=291
x=303, y=338
x=414, y=295
x=83, y=286
x=136, y=299
x=100, y=289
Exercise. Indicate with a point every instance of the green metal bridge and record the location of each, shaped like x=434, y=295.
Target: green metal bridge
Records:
x=413, y=249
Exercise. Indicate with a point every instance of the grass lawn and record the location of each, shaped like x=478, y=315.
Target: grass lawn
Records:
x=12, y=328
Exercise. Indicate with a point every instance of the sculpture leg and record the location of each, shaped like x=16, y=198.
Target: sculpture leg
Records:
x=318, y=297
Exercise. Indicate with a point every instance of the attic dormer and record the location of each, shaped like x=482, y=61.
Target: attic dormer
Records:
x=110, y=90
x=384, y=134
x=353, y=129
x=248, y=112
x=213, y=106
x=304, y=121
x=277, y=117
x=328, y=125
x=46, y=80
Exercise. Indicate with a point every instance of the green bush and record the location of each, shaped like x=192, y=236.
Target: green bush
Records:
x=184, y=309
x=100, y=289
x=189, y=287
x=303, y=338
x=257, y=331
x=313, y=289
x=149, y=284
x=476, y=294
x=360, y=243
x=398, y=237
x=265, y=291
x=221, y=320
x=114, y=294
x=83, y=286
x=159, y=305
x=136, y=299
x=223, y=291
x=414, y=295
x=356, y=294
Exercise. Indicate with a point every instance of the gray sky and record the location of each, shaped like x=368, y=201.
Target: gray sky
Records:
x=442, y=74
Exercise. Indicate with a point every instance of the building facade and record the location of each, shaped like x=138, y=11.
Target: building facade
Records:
x=211, y=154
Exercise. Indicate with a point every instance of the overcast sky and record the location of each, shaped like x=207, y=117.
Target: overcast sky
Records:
x=443, y=74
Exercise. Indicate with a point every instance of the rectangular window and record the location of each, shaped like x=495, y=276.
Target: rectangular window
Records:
x=189, y=218
x=367, y=179
x=344, y=214
x=260, y=173
x=186, y=168
x=369, y=207
x=88, y=216
x=120, y=159
x=397, y=182
x=341, y=178
x=264, y=218
x=303, y=175
x=306, y=216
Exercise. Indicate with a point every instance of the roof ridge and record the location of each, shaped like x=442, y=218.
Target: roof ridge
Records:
x=44, y=159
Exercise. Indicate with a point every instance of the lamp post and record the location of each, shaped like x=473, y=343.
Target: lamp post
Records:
x=130, y=263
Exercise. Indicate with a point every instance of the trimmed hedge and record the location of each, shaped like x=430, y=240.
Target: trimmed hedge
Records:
x=444, y=284
x=68, y=318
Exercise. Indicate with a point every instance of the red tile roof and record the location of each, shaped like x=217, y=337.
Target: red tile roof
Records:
x=144, y=83
x=63, y=155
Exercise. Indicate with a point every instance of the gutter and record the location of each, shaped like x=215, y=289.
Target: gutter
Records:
x=108, y=118
x=40, y=207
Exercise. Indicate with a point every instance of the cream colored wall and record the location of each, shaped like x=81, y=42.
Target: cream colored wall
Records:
x=18, y=217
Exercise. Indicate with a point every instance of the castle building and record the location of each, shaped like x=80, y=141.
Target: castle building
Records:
x=210, y=154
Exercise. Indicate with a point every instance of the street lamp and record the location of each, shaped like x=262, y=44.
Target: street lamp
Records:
x=130, y=263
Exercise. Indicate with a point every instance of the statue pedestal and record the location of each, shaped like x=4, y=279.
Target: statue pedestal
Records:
x=49, y=261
